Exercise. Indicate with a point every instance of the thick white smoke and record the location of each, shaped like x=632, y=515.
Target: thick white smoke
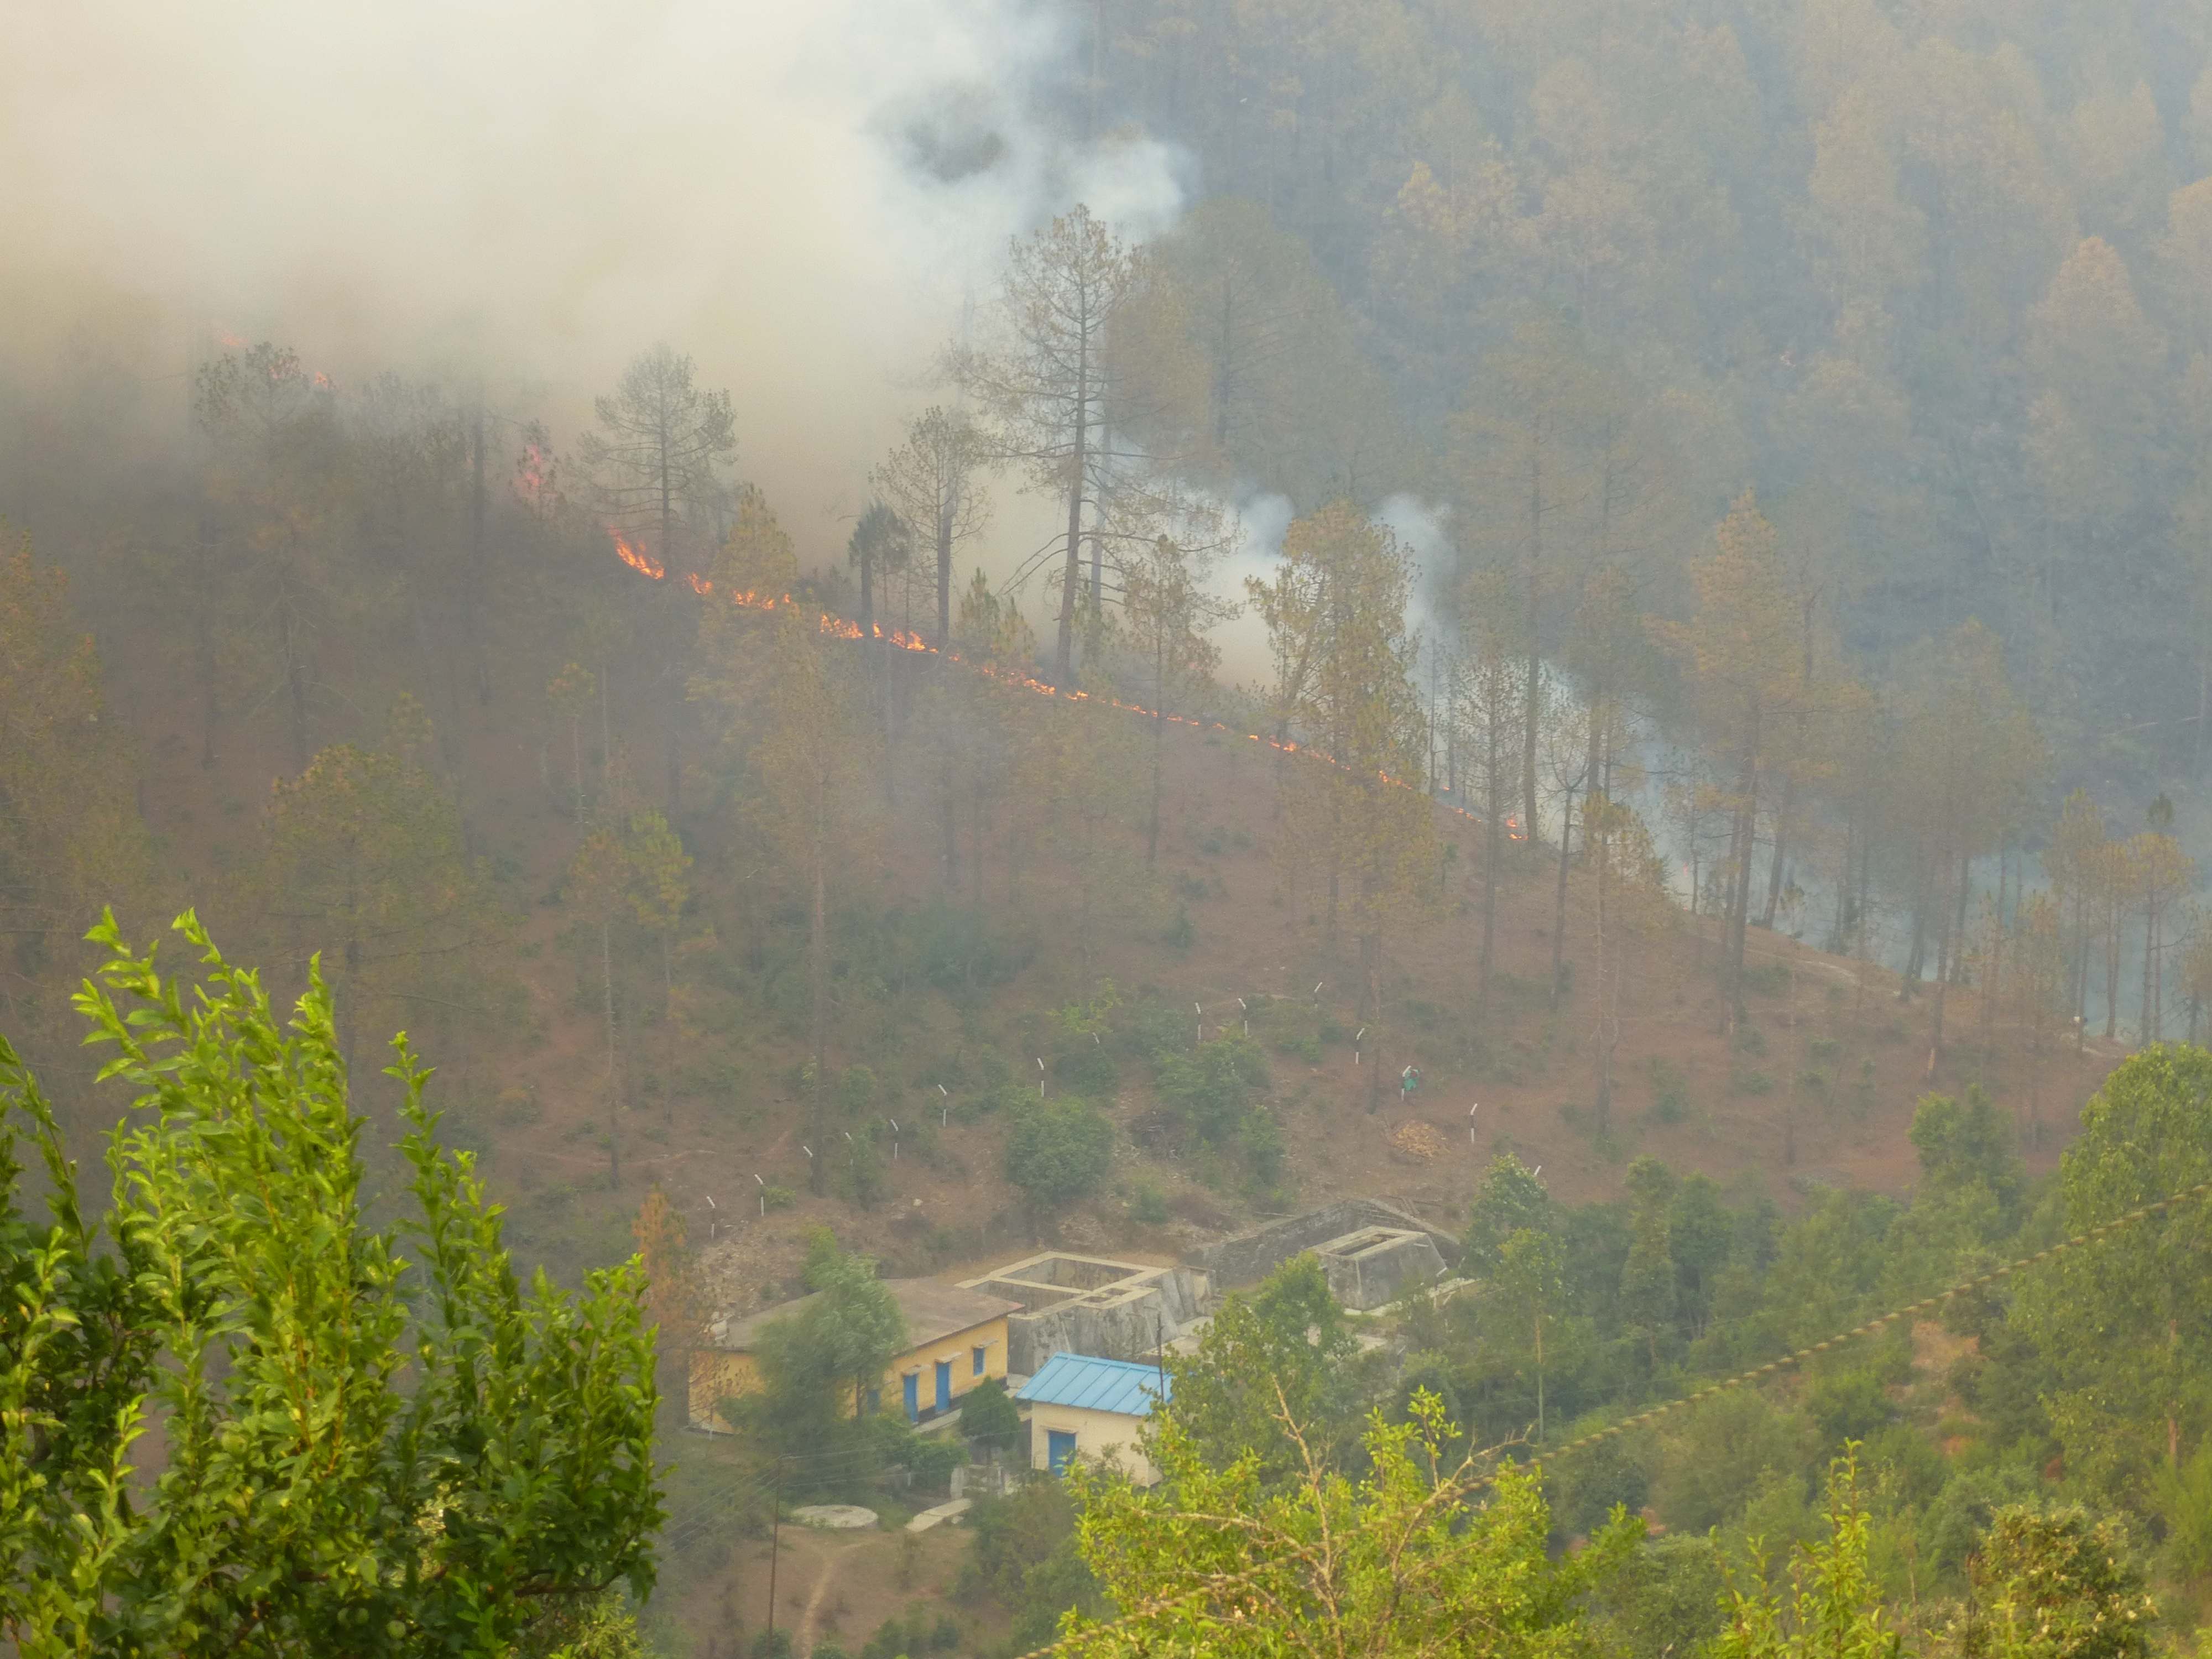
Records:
x=801, y=195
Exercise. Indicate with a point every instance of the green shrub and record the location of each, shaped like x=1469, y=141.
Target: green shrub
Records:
x=1182, y=932
x=1750, y=1040
x=856, y=1091
x=1847, y=1405
x=1769, y=979
x=1210, y=1088
x=1262, y=1137
x=1006, y=1095
x=1670, y=1091
x=1294, y=1028
x=1147, y=1207
x=1059, y=1151
x=988, y=1415
x=1749, y=1081
x=1088, y=1070
x=862, y=1170
x=1824, y=1047
x=1156, y=1029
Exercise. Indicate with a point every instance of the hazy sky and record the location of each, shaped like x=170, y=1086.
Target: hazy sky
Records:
x=549, y=187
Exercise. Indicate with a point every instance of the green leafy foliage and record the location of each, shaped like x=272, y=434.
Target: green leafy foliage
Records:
x=988, y=1415
x=1833, y=1609
x=1210, y=1087
x=1059, y=1151
x=817, y=1361
x=1224, y=1561
x=306, y=1501
x=1284, y=1348
x=2056, y=1585
x=1510, y=1200
x=1023, y=1555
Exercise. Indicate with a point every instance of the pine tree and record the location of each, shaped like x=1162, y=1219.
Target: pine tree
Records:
x=930, y=482
x=1169, y=615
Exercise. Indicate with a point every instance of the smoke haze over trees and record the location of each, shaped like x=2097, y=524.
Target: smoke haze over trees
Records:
x=974, y=621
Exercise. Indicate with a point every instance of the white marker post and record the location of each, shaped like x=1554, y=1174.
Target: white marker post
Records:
x=763, y=1185
x=895, y=1138
x=1039, y=1078
x=944, y=1109
x=1201, y=1012
x=1471, y=1111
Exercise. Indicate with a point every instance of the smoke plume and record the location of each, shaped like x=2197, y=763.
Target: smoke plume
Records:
x=803, y=196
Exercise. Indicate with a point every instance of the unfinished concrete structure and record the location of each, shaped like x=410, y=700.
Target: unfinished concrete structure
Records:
x=1088, y=1305
x=1370, y=1251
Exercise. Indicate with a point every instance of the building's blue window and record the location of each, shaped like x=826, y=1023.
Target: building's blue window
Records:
x=977, y=1356
x=1059, y=1447
x=911, y=1384
x=944, y=1385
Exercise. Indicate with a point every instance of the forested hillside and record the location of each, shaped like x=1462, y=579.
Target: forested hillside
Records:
x=1593, y=621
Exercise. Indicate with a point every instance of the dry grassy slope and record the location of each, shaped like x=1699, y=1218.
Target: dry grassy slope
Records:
x=729, y=1118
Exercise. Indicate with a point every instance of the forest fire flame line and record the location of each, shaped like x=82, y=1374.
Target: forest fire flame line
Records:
x=844, y=628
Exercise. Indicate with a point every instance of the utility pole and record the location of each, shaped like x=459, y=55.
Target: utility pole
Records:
x=775, y=1545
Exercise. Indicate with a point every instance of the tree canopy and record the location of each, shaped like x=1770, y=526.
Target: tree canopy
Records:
x=354, y=1441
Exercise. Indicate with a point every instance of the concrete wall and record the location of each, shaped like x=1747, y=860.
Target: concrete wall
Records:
x=1099, y=1436
x=1124, y=1328
x=1251, y=1257
x=1390, y=1261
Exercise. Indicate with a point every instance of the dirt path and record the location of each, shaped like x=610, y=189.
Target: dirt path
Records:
x=831, y=1550
x=810, y=1619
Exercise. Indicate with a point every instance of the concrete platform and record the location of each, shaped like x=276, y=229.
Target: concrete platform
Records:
x=939, y=1515
x=836, y=1517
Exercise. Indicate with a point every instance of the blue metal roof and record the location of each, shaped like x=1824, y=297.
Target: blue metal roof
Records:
x=1097, y=1385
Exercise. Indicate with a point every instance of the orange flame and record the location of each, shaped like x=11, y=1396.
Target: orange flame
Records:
x=530, y=474
x=840, y=627
x=639, y=560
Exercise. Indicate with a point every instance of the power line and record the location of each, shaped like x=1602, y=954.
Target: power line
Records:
x=1772, y=1368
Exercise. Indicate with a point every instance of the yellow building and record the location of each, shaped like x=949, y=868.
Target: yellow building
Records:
x=1092, y=1408
x=956, y=1338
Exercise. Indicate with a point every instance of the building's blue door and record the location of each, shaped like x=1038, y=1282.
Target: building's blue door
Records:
x=945, y=1385
x=1059, y=1447
x=913, y=1380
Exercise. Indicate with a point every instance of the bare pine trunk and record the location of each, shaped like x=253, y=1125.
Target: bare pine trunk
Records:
x=1781, y=851
x=1494, y=849
x=1533, y=708
x=944, y=574
x=1559, y=897
x=1944, y=962
x=476, y=504
x=614, y=1086
x=1063, y=660
x=818, y=972
x=1152, y=824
